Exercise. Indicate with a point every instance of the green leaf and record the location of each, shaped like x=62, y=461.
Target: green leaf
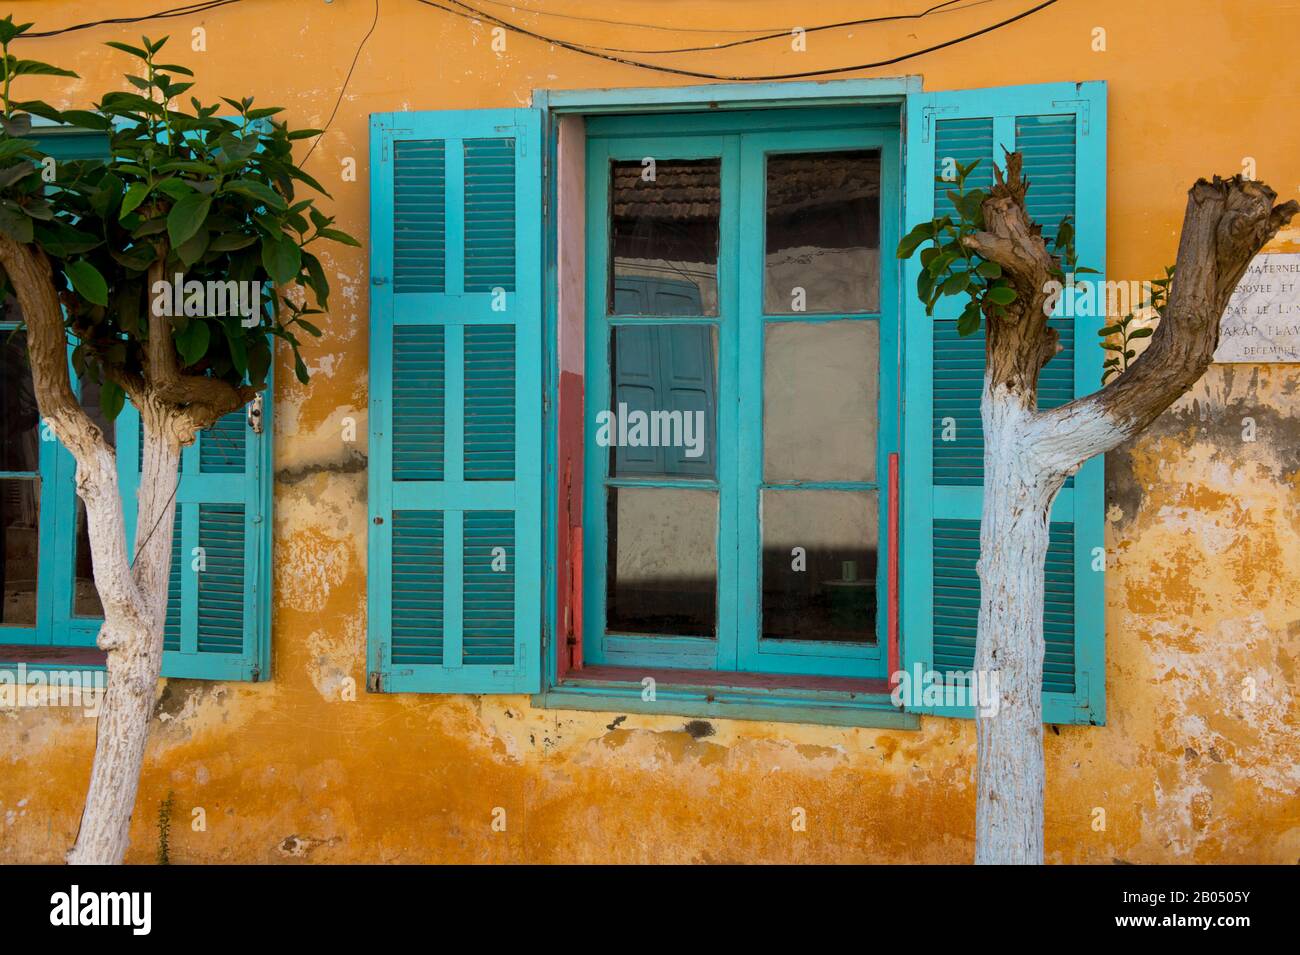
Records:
x=87, y=281
x=282, y=258
x=256, y=190
x=316, y=279
x=8, y=177
x=9, y=30
x=174, y=188
x=62, y=241
x=138, y=258
x=338, y=235
x=230, y=241
x=237, y=339
x=135, y=194
x=14, y=222
x=19, y=124
x=111, y=399
x=956, y=283
x=1141, y=333
x=259, y=360
x=309, y=328
x=11, y=66
x=192, y=341
x=192, y=249
x=969, y=321
x=186, y=217
x=127, y=48
x=1001, y=295
x=919, y=234
x=990, y=270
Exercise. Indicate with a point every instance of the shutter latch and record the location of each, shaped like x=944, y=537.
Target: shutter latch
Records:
x=255, y=413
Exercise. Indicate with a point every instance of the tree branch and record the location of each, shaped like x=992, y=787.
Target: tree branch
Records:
x=1225, y=225
x=1018, y=342
x=200, y=398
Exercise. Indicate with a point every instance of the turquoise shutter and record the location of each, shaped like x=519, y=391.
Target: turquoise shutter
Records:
x=1061, y=130
x=455, y=572
x=218, y=624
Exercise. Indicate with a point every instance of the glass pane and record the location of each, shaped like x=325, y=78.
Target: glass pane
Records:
x=819, y=565
x=823, y=233
x=663, y=422
x=820, y=389
x=19, y=420
x=662, y=572
x=20, y=502
x=664, y=237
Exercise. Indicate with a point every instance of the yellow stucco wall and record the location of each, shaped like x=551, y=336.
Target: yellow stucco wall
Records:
x=1204, y=528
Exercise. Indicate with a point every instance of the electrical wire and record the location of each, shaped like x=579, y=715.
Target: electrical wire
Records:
x=480, y=15
x=786, y=34
x=160, y=15
x=534, y=11
x=344, y=88
x=467, y=12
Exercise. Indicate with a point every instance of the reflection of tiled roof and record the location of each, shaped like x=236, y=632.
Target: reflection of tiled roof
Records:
x=688, y=189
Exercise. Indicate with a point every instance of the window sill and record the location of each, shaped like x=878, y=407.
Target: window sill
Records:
x=829, y=701
x=45, y=657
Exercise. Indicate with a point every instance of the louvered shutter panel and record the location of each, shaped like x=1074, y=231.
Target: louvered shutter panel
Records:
x=455, y=571
x=1060, y=130
x=218, y=624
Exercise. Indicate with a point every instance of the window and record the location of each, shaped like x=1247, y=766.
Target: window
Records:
x=739, y=256
x=219, y=609
x=745, y=457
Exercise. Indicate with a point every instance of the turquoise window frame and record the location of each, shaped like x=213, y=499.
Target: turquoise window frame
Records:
x=56, y=624
x=811, y=704
x=742, y=142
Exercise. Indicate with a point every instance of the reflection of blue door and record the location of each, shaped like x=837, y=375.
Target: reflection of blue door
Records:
x=663, y=368
x=647, y=295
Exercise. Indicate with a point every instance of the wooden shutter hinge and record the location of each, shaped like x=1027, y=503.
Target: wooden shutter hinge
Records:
x=926, y=114
x=1081, y=106
x=374, y=682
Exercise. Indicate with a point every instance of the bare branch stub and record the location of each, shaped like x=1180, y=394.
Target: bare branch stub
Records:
x=1019, y=341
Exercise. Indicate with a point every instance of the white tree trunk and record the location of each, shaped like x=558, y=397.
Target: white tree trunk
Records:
x=1018, y=495
x=134, y=642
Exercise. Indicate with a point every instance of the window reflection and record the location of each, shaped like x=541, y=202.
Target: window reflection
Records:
x=20, y=525
x=823, y=233
x=662, y=571
x=819, y=565
x=663, y=419
x=664, y=237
